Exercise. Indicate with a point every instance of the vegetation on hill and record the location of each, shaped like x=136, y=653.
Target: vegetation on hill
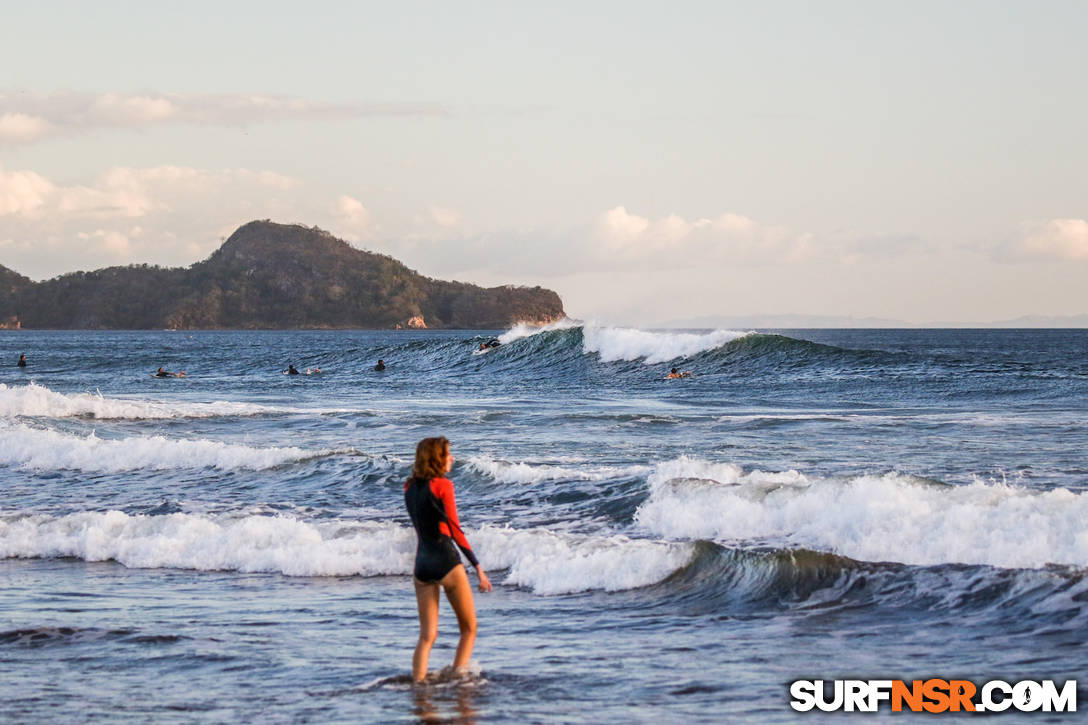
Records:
x=269, y=276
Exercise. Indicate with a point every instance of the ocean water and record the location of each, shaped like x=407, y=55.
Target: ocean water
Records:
x=232, y=545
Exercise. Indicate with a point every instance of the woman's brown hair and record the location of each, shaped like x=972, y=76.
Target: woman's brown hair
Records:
x=431, y=458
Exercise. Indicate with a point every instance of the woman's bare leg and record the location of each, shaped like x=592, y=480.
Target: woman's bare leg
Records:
x=427, y=600
x=459, y=592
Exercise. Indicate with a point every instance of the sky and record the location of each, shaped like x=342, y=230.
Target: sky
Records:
x=651, y=162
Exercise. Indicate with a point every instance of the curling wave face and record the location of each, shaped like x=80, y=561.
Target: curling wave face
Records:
x=612, y=344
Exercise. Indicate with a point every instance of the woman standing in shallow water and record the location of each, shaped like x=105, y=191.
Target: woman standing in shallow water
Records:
x=430, y=500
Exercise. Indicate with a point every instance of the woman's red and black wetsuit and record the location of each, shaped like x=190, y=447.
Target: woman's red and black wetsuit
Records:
x=433, y=509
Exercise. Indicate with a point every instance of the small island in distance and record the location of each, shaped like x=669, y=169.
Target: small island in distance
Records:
x=269, y=276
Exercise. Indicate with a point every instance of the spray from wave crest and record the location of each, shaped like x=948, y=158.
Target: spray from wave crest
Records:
x=521, y=330
x=36, y=449
x=617, y=343
x=540, y=560
x=890, y=517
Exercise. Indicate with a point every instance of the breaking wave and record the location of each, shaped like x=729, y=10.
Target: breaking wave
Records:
x=613, y=344
x=692, y=577
x=29, y=448
x=530, y=473
x=617, y=343
x=38, y=401
x=521, y=330
x=889, y=517
x=554, y=348
x=537, y=559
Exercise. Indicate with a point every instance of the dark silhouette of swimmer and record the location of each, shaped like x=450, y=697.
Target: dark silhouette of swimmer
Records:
x=489, y=344
x=380, y=366
x=167, y=374
x=22, y=361
x=291, y=370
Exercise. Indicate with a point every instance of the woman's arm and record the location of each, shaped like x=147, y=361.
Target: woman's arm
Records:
x=443, y=491
x=485, y=583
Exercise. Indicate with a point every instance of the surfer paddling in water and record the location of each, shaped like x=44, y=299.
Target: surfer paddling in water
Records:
x=429, y=498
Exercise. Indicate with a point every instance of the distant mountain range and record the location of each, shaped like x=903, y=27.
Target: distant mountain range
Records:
x=828, y=321
x=269, y=276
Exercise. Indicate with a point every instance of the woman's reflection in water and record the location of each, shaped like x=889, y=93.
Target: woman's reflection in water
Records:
x=462, y=696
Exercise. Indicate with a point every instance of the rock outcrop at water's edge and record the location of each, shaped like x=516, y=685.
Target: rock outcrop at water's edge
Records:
x=270, y=276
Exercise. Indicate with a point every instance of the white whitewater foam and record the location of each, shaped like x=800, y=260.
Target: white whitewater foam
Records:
x=620, y=343
x=547, y=563
x=624, y=343
x=273, y=544
x=38, y=449
x=889, y=517
x=38, y=401
x=555, y=563
x=506, y=472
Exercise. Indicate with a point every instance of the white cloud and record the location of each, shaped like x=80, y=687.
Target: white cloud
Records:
x=115, y=109
x=126, y=192
x=1065, y=239
x=619, y=226
x=621, y=237
x=28, y=117
x=267, y=178
x=445, y=218
x=162, y=215
x=733, y=237
x=116, y=194
x=352, y=216
x=112, y=242
x=622, y=241
x=23, y=192
x=425, y=226
x=21, y=128
x=185, y=213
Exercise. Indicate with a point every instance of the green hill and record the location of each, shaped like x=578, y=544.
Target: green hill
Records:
x=269, y=276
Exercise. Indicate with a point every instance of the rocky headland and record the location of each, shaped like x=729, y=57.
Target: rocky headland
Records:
x=269, y=276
